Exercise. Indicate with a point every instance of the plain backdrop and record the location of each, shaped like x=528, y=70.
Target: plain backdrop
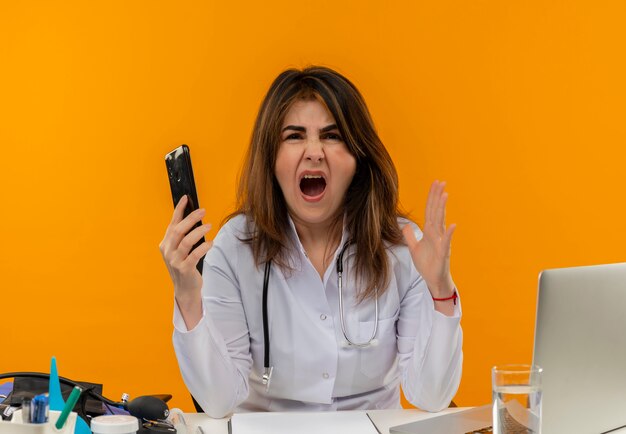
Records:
x=519, y=106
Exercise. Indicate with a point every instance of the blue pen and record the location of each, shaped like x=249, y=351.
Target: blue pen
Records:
x=39, y=409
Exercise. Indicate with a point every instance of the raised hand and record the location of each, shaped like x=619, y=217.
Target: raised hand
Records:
x=431, y=254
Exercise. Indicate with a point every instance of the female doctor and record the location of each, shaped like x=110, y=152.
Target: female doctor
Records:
x=316, y=294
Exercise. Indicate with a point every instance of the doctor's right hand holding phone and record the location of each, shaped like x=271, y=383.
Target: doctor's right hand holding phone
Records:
x=182, y=262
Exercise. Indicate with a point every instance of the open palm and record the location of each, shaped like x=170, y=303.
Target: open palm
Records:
x=431, y=254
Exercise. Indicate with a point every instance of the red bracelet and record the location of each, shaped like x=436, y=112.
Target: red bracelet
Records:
x=452, y=297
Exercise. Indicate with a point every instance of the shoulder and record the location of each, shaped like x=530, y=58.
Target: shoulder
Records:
x=230, y=245
x=235, y=231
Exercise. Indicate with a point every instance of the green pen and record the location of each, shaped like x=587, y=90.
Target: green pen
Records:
x=69, y=405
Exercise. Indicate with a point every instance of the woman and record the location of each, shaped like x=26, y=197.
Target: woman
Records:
x=318, y=195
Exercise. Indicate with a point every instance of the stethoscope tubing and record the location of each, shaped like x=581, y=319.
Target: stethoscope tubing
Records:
x=351, y=343
x=267, y=373
x=266, y=330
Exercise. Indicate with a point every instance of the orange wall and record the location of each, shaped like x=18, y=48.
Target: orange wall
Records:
x=520, y=106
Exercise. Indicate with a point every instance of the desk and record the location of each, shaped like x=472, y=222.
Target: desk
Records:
x=383, y=419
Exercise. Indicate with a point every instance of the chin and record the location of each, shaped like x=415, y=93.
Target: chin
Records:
x=312, y=216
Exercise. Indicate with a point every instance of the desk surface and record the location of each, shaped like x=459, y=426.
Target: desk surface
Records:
x=383, y=419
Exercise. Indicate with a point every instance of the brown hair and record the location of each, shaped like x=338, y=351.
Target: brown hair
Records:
x=371, y=202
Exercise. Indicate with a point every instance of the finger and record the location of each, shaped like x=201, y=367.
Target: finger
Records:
x=188, y=222
x=448, y=237
x=177, y=216
x=176, y=232
x=434, y=204
x=437, y=191
x=441, y=213
x=429, y=201
x=442, y=187
x=183, y=227
x=409, y=236
x=179, y=210
x=190, y=240
x=197, y=254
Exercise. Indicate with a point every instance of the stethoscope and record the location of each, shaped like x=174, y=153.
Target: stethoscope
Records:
x=268, y=370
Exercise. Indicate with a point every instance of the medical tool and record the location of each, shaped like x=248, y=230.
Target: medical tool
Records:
x=268, y=370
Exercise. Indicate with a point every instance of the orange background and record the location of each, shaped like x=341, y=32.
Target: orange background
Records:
x=520, y=106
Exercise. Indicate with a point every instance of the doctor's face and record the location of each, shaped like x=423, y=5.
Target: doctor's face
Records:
x=313, y=167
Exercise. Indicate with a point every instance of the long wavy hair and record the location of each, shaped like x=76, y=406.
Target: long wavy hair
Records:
x=371, y=207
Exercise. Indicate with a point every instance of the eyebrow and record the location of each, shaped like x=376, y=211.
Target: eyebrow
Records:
x=303, y=130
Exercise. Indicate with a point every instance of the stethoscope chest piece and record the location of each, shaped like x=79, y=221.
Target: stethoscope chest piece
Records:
x=266, y=378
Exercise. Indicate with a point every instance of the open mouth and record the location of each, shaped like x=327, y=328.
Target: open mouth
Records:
x=312, y=185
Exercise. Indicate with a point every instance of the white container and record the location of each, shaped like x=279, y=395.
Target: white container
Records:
x=114, y=424
x=16, y=426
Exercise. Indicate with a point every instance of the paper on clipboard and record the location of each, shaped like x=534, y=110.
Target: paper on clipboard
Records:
x=330, y=422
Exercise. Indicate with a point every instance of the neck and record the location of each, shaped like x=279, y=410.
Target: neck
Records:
x=319, y=238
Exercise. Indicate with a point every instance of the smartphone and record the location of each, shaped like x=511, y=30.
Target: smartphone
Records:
x=180, y=174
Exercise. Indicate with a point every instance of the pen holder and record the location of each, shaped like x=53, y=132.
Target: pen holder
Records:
x=16, y=426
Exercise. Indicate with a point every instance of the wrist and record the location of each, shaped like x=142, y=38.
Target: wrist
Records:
x=443, y=289
x=452, y=298
x=188, y=302
x=190, y=308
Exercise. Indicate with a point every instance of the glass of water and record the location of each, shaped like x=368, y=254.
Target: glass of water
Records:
x=516, y=399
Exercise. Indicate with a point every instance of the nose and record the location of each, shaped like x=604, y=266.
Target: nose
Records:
x=314, y=151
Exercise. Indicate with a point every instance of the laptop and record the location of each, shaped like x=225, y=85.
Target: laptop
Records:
x=580, y=342
x=474, y=420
